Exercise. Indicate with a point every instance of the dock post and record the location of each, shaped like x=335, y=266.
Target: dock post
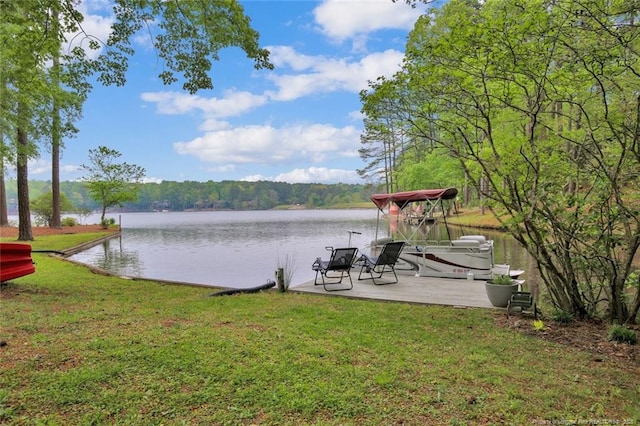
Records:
x=280, y=279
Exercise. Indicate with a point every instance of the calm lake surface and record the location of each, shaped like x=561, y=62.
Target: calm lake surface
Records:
x=242, y=249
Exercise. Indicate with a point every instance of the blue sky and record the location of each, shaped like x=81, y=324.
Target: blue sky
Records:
x=299, y=123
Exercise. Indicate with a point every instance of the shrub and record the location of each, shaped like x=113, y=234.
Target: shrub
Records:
x=502, y=280
x=107, y=222
x=42, y=208
x=562, y=316
x=69, y=221
x=622, y=334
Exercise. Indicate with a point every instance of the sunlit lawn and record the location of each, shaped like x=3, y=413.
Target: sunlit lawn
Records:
x=83, y=349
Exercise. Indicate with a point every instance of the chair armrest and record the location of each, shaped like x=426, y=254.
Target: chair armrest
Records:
x=369, y=260
x=320, y=265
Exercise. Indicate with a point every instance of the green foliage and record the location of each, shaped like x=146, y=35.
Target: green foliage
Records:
x=533, y=102
x=225, y=195
x=109, y=182
x=107, y=222
x=633, y=280
x=502, y=280
x=622, y=334
x=189, y=38
x=42, y=207
x=562, y=316
x=435, y=169
x=538, y=325
x=69, y=221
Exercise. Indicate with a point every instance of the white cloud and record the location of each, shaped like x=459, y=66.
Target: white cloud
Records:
x=268, y=145
x=328, y=75
x=149, y=179
x=224, y=145
x=40, y=166
x=323, y=75
x=176, y=103
x=356, y=115
x=311, y=175
x=70, y=168
x=287, y=56
x=345, y=19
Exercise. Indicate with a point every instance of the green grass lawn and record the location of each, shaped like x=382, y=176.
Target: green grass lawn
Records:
x=474, y=218
x=83, y=348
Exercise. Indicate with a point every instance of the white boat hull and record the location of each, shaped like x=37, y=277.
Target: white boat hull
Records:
x=448, y=262
x=470, y=257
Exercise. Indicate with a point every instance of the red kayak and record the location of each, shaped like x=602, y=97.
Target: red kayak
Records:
x=15, y=261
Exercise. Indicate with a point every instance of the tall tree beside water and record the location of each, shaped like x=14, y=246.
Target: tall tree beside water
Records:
x=539, y=102
x=110, y=182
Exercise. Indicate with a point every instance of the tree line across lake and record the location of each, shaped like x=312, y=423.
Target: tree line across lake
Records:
x=225, y=195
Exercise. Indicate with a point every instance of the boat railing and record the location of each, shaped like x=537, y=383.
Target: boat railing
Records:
x=470, y=245
x=420, y=245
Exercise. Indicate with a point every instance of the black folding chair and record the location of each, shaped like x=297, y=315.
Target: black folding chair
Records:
x=385, y=262
x=336, y=268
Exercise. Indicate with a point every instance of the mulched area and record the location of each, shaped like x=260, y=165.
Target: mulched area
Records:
x=37, y=231
x=591, y=336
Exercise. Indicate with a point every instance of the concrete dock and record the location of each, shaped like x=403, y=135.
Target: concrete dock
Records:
x=410, y=289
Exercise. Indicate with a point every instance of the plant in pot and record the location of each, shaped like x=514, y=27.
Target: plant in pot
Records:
x=499, y=290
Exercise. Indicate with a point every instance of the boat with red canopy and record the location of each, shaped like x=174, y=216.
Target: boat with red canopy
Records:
x=470, y=256
x=402, y=199
x=15, y=261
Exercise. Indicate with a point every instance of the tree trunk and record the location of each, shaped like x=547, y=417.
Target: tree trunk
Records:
x=56, y=221
x=25, y=232
x=4, y=214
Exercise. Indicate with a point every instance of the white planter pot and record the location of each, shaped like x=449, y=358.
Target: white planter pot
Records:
x=500, y=294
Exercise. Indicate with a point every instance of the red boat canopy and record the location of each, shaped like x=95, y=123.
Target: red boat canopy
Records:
x=401, y=199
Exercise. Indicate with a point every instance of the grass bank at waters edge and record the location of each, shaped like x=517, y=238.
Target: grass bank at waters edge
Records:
x=362, y=205
x=90, y=349
x=475, y=219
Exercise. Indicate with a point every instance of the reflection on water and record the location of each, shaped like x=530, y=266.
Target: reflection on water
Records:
x=228, y=249
x=243, y=249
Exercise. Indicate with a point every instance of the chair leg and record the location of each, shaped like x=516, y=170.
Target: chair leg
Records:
x=395, y=277
x=324, y=275
x=315, y=281
x=384, y=269
x=362, y=268
x=378, y=274
x=342, y=274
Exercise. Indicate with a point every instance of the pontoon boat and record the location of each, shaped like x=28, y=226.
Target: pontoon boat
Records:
x=411, y=216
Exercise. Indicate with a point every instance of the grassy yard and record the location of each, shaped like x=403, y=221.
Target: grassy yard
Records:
x=81, y=348
x=474, y=218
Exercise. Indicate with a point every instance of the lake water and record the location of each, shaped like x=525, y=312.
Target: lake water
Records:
x=242, y=249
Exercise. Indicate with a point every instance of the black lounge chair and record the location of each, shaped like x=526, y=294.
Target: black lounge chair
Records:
x=340, y=263
x=385, y=262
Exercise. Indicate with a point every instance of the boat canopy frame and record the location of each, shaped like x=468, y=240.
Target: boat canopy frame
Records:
x=431, y=197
